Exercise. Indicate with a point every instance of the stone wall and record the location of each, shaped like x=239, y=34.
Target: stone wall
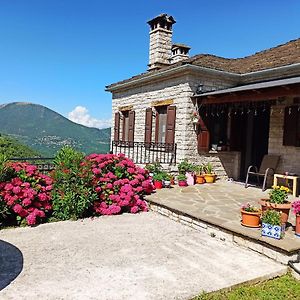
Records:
x=179, y=89
x=289, y=155
x=141, y=97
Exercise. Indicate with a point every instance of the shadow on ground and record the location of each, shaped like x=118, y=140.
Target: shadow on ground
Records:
x=11, y=263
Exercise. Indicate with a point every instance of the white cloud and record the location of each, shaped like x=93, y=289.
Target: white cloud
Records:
x=80, y=114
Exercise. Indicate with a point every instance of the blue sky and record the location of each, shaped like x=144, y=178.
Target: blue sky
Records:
x=62, y=53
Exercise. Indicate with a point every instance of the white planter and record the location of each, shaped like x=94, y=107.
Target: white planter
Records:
x=272, y=231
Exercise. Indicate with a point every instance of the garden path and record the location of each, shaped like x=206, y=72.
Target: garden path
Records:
x=144, y=256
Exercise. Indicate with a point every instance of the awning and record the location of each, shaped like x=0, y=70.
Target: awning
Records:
x=262, y=91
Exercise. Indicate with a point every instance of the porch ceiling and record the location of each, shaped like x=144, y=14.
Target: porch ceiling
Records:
x=262, y=91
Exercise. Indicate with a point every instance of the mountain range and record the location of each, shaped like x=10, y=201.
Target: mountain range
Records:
x=46, y=131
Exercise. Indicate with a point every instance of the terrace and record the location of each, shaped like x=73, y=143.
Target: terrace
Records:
x=215, y=209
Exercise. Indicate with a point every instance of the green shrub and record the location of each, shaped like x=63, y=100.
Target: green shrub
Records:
x=73, y=194
x=271, y=217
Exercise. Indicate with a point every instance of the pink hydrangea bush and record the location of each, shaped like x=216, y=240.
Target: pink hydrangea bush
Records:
x=296, y=207
x=28, y=193
x=119, y=183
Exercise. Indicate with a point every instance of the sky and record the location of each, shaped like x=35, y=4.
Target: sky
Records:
x=62, y=53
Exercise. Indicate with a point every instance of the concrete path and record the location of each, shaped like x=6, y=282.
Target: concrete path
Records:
x=144, y=256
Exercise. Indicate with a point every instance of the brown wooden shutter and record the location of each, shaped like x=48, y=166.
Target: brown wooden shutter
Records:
x=290, y=126
x=131, y=126
x=203, y=137
x=148, y=126
x=171, y=119
x=117, y=127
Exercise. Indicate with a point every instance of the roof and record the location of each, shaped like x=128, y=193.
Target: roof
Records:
x=255, y=86
x=282, y=55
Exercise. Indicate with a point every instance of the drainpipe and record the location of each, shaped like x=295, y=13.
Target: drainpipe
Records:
x=292, y=262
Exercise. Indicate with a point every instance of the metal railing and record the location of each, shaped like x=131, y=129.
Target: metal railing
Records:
x=143, y=153
x=44, y=164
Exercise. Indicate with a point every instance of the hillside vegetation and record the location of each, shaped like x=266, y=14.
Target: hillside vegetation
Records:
x=47, y=131
x=12, y=148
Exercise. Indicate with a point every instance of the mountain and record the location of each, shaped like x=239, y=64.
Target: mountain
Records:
x=12, y=148
x=46, y=131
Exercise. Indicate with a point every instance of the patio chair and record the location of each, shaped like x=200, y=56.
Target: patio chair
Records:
x=267, y=169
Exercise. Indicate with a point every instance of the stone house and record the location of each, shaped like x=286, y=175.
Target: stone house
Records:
x=207, y=108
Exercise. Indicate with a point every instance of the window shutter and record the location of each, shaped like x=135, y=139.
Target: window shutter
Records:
x=117, y=127
x=171, y=118
x=148, y=126
x=290, y=126
x=203, y=137
x=131, y=126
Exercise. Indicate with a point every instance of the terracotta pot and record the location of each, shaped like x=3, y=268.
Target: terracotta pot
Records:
x=297, y=229
x=210, y=178
x=182, y=183
x=284, y=209
x=158, y=185
x=251, y=219
x=200, y=179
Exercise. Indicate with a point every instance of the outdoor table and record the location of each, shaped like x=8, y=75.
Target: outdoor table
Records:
x=294, y=178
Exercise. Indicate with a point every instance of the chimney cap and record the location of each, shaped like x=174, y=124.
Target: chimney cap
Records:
x=174, y=46
x=162, y=17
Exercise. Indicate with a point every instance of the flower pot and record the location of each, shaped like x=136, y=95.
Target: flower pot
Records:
x=190, y=178
x=167, y=183
x=272, y=231
x=158, y=184
x=210, y=178
x=251, y=219
x=182, y=183
x=297, y=228
x=200, y=179
x=284, y=208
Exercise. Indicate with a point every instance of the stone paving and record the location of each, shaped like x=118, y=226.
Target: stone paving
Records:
x=125, y=257
x=219, y=204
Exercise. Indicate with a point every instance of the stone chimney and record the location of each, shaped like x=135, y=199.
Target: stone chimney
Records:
x=179, y=52
x=160, y=41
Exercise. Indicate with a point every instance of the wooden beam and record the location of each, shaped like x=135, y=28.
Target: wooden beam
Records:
x=162, y=102
x=265, y=94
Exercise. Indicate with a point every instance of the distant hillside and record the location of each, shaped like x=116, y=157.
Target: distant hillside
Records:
x=47, y=131
x=12, y=148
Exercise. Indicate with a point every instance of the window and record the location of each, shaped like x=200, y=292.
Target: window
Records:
x=161, y=124
x=125, y=126
x=165, y=124
x=124, y=123
x=291, y=128
x=212, y=130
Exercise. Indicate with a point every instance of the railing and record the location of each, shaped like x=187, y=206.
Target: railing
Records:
x=143, y=153
x=44, y=164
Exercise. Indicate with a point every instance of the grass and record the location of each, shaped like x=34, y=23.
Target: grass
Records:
x=285, y=287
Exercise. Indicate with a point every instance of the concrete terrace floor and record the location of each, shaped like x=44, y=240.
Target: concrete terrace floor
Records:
x=143, y=256
x=219, y=204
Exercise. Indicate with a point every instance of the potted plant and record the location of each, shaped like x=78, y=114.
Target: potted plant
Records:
x=209, y=175
x=187, y=169
x=250, y=215
x=166, y=180
x=181, y=180
x=271, y=224
x=296, y=211
x=158, y=180
x=153, y=168
x=278, y=201
x=199, y=176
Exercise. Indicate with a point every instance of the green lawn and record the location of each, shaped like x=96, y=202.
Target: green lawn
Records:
x=285, y=287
